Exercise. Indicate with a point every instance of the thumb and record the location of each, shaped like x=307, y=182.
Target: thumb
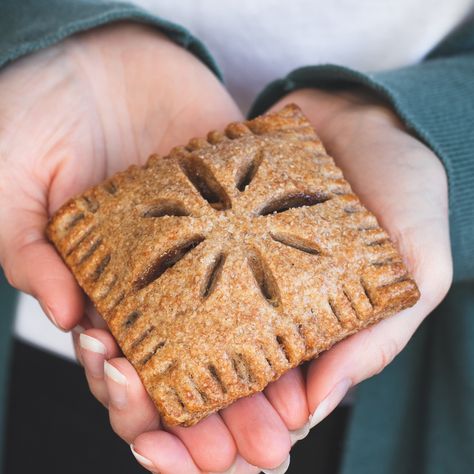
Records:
x=355, y=359
x=368, y=352
x=32, y=265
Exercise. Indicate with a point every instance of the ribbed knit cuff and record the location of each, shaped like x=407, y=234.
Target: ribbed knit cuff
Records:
x=30, y=25
x=435, y=99
x=7, y=313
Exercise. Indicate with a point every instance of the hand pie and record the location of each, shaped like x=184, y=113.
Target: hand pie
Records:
x=233, y=259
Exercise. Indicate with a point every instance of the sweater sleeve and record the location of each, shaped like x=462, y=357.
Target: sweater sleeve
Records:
x=30, y=25
x=435, y=99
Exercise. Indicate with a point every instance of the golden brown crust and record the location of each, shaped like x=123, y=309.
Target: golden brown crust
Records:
x=229, y=261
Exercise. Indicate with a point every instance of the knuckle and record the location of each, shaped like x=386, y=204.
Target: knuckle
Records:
x=11, y=276
x=121, y=429
x=99, y=392
x=384, y=354
x=269, y=454
x=436, y=284
x=430, y=262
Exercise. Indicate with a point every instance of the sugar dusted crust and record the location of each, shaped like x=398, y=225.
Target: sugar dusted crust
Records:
x=231, y=260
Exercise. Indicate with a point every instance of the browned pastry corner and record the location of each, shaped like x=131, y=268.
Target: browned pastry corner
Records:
x=231, y=260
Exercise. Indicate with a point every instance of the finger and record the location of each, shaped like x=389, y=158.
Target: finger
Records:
x=94, y=318
x=209, y=442
x=334, y=372
x=288, y=397
x=97, y=345
x=241, y=466
x=32, y=265
x=75, y=333
x=77, y=330
x=131, y=410
x=259, y=433
x=159, y=451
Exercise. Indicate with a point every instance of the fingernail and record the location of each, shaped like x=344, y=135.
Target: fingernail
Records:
x=281, y=469
x=91, y=344
x=143, y=460
x=92, y=355
x=299, y=434
x=330, y=402
x=117, y=387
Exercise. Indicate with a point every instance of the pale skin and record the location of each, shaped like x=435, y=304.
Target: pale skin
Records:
x=77, y=112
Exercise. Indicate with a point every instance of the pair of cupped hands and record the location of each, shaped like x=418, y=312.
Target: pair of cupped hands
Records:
x=77, y=112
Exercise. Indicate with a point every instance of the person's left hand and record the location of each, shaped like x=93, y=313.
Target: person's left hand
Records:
x=404, y=184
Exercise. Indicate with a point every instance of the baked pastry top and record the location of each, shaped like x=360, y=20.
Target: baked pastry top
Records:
x=231, y=260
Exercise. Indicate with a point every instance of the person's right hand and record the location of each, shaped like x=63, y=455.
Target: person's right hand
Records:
x=70, y=116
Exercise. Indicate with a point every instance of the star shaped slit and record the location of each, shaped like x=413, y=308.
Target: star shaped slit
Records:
x=214, y=194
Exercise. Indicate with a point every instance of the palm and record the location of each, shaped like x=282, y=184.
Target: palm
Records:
x=97, y=103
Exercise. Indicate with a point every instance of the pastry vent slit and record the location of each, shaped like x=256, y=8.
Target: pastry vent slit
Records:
x=340, y=191
x=283, y=349
x=202, y=394
x=400, y=279
x=205, y=182
x=166, y=261
x=383, y=263
x=166, y=208
x=75, y=219
x=76, y=244
x=292, y=201
x=247, y=172
x=367, y=293
x=379, y=242
x=99, y=270
x=349, y=299
x=213, y=275
x=91, y=204
x=352, y=209
x=178, y=398
x=167, y=367
x=91, y=250
x=334, y=310
x=242, y=369
x=300, y=329
x=270, y=363
x=116, y=302
x=264, y=278
x=215, y=375
x=110, y=187
x=144, y=335
x=108, y=289
x=131, y=318
x=152, y=353
x=297, y=243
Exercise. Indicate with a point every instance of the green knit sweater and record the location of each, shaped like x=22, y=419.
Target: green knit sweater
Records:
x=416, y=417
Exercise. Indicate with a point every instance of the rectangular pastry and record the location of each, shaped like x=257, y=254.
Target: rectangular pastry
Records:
x=233, y=259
